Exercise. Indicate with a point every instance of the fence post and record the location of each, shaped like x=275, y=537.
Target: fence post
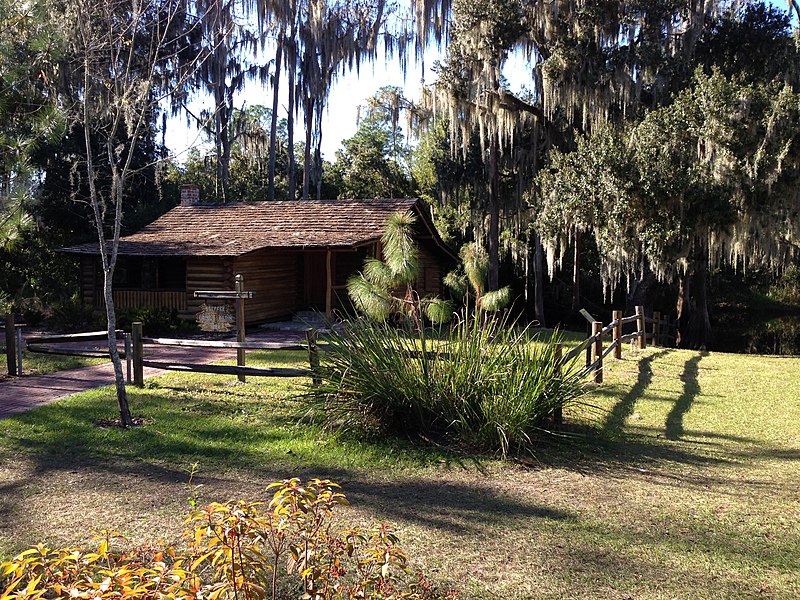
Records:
x=11, y=342
x=19, y=350
x=616, y=316
x=656, y=328
x=597, y=351
x=588, y=346
x=128, y=357
x=138, y=367
x=558, y=412
x=240, y=330
x=641, y=327
x=313, y=356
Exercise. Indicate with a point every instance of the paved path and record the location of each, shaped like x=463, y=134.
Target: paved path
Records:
x=21, y=394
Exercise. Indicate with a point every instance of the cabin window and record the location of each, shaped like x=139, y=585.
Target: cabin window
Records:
x=150, y=273
x=172, y=273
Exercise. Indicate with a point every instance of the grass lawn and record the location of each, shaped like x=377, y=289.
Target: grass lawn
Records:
x=34, y=363
x=684, y=482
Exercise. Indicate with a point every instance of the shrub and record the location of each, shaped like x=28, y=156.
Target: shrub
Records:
x=155, y=321
x=787, y=289
x=482, y=382
x=236, y=550
x=71, y=314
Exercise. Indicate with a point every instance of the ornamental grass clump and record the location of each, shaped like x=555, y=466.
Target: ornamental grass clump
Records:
x=481, y=382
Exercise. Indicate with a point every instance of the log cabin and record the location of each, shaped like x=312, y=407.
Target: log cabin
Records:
x=294, y=255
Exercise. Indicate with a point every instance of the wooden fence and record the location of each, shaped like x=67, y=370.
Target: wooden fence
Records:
x=653, y=329
x=240, y=369
x=133, y=353
x=13, y=336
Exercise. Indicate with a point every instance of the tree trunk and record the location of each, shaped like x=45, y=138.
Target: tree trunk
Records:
x=221, y=116
x=643, y=290
x=309, y=108
x=291, y=71
x=694, y=323
x=125, y=419
x=493, y=276
x=318, y=166
x=538, y=277
x=576, y=273
x=273, y=127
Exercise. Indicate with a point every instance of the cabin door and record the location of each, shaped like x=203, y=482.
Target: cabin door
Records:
x=315, y=278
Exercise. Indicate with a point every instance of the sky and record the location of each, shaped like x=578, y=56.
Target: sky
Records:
x=341, y=117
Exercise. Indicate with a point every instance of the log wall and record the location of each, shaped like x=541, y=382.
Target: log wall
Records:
x=429, y=277
x=169, y=299
x=89, y=286
x=205, y=273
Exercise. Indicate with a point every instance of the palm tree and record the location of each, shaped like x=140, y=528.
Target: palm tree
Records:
x=374, y=290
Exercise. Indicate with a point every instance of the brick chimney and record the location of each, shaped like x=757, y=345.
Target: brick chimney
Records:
x=190, y=194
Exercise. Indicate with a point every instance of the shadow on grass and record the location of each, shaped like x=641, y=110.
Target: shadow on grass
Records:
x=235, y=429
x=691, y=389
x=235, y=458
x=460, y=508
x=615, y=421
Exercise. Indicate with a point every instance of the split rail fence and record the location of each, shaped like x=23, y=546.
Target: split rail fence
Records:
x=134, y=353
x=653, y=330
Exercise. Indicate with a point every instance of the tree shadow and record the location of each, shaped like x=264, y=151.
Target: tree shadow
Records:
x=691, y=389
x=615, y=421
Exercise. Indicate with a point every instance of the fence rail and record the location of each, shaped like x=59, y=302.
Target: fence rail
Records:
x=593, y=345
x=653, y=329
x=227, y=369
x=240, y=370
x=224, y=344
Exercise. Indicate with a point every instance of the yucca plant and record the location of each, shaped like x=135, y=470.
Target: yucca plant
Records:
x=484, y=382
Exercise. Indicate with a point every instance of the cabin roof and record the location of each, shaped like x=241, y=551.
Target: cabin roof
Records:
x=236, y=228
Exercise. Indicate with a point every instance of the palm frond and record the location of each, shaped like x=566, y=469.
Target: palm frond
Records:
x=378, y=273
x=476, y=265
x=399, y=248
x=457, y=282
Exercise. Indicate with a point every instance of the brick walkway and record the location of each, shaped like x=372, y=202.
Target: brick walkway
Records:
x=21, y=394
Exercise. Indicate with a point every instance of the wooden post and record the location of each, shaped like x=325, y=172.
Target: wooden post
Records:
x=128, y=357
x=11, y=342
x=656, y=327
x=240, y=329
x=328, y=284
x=588, y=346
x=641, y=327
x=313, y=356
x=558, y=412
x=19, y=349
x=138, y=368
x=616, y=316
x=597, y=351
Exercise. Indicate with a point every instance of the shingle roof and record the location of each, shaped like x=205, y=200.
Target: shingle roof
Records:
x=238, y=228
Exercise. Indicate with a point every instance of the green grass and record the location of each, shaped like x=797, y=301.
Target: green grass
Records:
x=41, y=364
x=684, y=482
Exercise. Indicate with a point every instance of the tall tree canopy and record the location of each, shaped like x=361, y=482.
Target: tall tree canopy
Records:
x=706, y=179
